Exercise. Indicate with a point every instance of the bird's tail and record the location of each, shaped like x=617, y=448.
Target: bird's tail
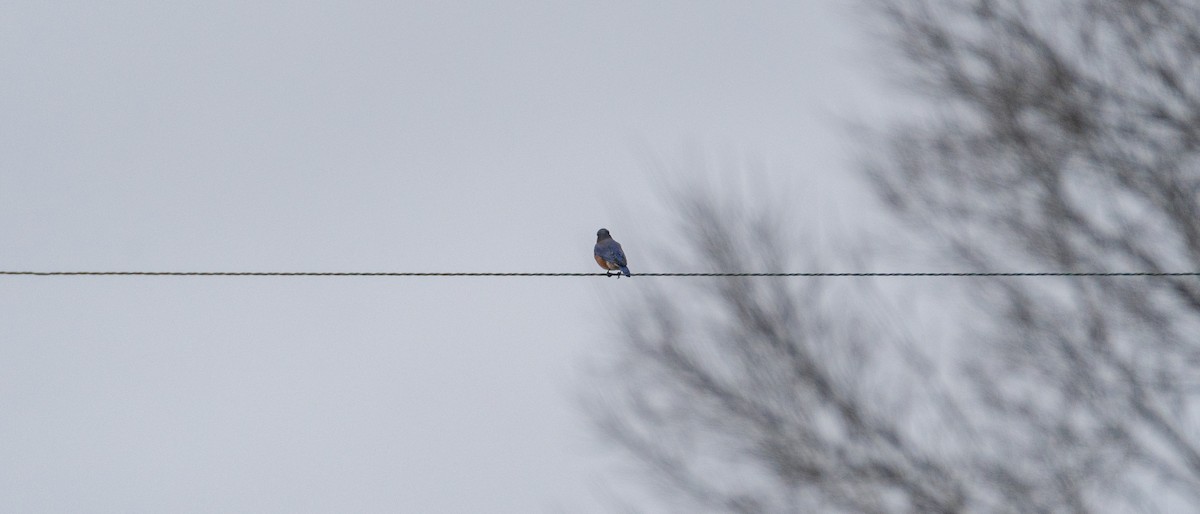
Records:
x=625, y=270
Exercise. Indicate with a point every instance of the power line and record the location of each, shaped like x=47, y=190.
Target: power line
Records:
x=525, y=274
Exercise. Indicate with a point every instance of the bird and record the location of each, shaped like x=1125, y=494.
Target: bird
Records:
x=609, y=254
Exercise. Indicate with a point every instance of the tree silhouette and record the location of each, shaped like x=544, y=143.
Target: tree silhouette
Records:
x=1060, y=136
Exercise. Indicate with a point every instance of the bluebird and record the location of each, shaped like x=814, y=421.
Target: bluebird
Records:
x=609, y=254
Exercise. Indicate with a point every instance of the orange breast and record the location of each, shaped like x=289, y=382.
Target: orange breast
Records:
x=605, y=265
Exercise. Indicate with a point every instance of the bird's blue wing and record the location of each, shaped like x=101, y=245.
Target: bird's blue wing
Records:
x=618, y=255
x=611, y=251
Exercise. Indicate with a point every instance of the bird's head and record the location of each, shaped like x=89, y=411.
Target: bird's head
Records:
x=602, y=234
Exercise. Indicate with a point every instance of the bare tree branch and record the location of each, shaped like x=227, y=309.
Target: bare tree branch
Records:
x=1062, y=135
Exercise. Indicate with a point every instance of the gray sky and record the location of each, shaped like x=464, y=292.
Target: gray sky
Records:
x=381, y=136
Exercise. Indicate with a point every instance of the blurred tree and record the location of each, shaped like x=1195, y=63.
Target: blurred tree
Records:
x=752, y=394
x=1063, y=136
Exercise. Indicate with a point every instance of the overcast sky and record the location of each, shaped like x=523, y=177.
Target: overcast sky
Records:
x=363, y=136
